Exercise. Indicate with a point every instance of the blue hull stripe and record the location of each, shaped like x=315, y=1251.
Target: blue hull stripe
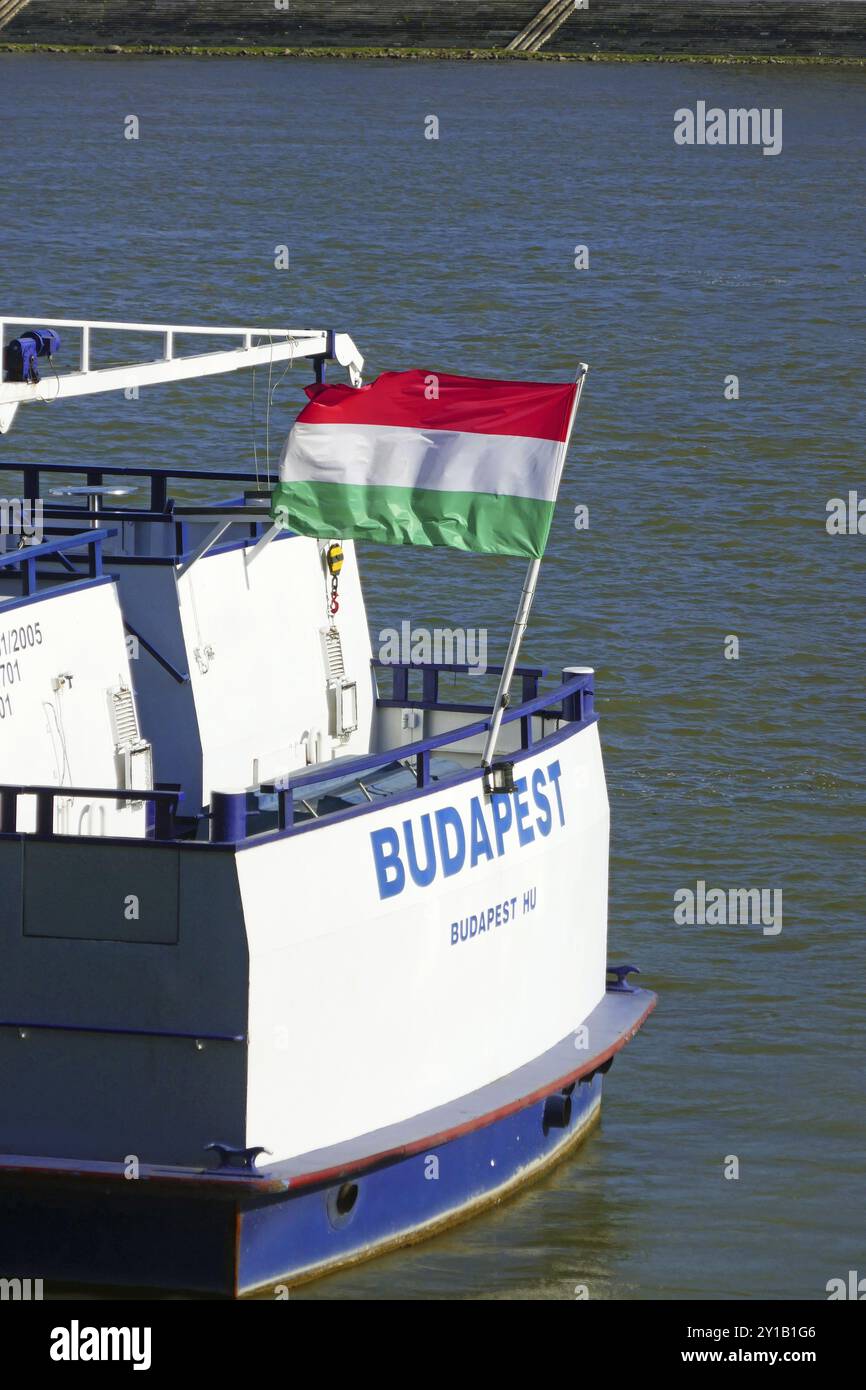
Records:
x=295, y=1240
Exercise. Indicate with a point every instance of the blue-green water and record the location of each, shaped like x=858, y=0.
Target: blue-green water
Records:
x=707, y=519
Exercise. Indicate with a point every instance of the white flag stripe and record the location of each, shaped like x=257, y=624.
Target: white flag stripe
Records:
x=443, y=460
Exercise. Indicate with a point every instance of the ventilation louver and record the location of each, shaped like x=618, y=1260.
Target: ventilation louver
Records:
x=134, y=754
x=342, y=693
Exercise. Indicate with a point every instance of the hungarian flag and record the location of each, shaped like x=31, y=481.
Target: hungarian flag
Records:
x=417, y=458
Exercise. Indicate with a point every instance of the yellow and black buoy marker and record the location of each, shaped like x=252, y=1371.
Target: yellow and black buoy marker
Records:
x=334, y=556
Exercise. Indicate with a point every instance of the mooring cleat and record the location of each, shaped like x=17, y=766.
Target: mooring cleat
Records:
x=237, y=1158
x=620, y=983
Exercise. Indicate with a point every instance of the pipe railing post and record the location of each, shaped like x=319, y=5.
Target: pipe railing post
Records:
x=400, y=683
x=285, y=807
x=158, y=492
x=31, y=484
x=9, y=810
x=45, y=813
x=579, y=705
x=95, y=553
x=430, y=684
x=166, y=810
x=228, y=822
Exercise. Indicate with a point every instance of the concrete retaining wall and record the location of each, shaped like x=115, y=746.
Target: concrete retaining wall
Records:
x=837, y=27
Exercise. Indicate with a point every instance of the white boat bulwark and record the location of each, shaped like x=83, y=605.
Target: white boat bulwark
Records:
x=271, y=942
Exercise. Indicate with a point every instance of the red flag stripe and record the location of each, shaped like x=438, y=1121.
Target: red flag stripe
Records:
x=475, y=405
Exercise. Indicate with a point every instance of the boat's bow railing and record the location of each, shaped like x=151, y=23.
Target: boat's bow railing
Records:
x=430, y=673
x=571, y=702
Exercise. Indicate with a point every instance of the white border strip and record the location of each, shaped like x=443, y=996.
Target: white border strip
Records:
x=442, y=460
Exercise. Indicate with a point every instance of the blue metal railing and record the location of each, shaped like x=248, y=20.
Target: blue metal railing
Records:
x=571, y=702
x=27, y=556
x=574, y=698
x=162, y=803
x=430, y=673
x=159, y=478
x=162, y=508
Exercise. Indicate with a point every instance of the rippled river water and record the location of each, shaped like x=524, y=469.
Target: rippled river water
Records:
x=707, y=521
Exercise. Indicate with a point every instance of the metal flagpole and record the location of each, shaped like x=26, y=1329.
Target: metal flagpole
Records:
x=501, y=703
x=522, y=617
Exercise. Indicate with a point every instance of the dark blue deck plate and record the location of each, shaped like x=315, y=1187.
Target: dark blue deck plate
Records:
x=612, y=1023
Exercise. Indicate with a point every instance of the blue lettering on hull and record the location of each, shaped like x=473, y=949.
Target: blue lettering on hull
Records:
x=441, y=844
x=489, y=918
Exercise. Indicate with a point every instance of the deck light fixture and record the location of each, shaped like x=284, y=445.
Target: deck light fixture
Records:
x=499, y=779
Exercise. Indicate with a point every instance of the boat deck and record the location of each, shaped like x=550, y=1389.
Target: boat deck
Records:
x=342, y=791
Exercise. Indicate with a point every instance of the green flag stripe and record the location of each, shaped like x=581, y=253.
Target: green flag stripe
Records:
x=476, y=521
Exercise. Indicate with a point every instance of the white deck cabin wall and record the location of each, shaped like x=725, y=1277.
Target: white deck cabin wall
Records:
x=254, y=651
x=62, y=656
